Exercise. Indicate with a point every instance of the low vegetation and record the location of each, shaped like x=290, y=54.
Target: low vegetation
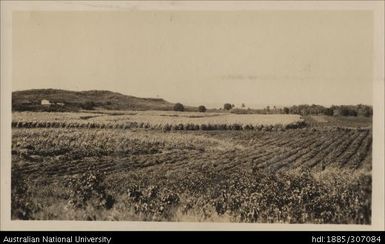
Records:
x=178, y=107
x=202, y=109
x=315, y=174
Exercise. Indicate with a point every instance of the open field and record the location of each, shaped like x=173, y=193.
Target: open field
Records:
x=316, y=174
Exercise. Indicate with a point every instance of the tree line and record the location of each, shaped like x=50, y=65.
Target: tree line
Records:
x=303, y=109
x=334, y=110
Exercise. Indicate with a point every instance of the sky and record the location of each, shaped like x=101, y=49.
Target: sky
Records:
x=199, y=57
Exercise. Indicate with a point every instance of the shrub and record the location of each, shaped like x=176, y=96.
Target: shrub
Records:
x=202, y=108
x=22, y=205
x=153, y=202
x=88, y=189
x=328, y=111
x=179, y=107
x=227, y=106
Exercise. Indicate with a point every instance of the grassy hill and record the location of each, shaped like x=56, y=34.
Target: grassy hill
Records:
x=64, y=100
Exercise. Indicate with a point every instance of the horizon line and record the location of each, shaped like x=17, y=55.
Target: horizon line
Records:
x=212, y=103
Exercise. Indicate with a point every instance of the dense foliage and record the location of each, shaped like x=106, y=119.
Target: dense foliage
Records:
x=343, y=110
x=179, y=107
x=227, y=106
x=202, y=109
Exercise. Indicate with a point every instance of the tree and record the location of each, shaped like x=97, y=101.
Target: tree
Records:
x=286, y=110
x=227, y=106
x=243, y=105
x=363, y=110
x=328, y=111
x=202, y=108
x=344, y=111
x=178, y=107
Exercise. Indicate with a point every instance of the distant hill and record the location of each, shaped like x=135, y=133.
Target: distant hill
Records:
x=64, y=100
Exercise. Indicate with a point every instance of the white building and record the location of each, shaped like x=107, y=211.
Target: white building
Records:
x=45, y=102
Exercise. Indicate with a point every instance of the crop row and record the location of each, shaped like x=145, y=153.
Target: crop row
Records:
x=67, y=150
x=163, y=127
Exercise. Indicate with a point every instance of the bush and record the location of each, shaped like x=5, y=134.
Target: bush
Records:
x=328, y=111
x=227, y=106
x=202, y=109
x=153, y=202
x=303, y=197
x=179, y=107
x=22, y=205
x=88, y=189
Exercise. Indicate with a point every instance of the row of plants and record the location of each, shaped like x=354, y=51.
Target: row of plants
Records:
x=163, y=127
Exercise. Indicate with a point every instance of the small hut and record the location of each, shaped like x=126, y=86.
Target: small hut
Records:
x=45, y=102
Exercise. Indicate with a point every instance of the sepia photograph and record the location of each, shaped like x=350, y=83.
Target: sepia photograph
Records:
x=193, y=112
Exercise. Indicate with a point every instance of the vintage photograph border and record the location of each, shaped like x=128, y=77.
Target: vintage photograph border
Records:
x=378, y=174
